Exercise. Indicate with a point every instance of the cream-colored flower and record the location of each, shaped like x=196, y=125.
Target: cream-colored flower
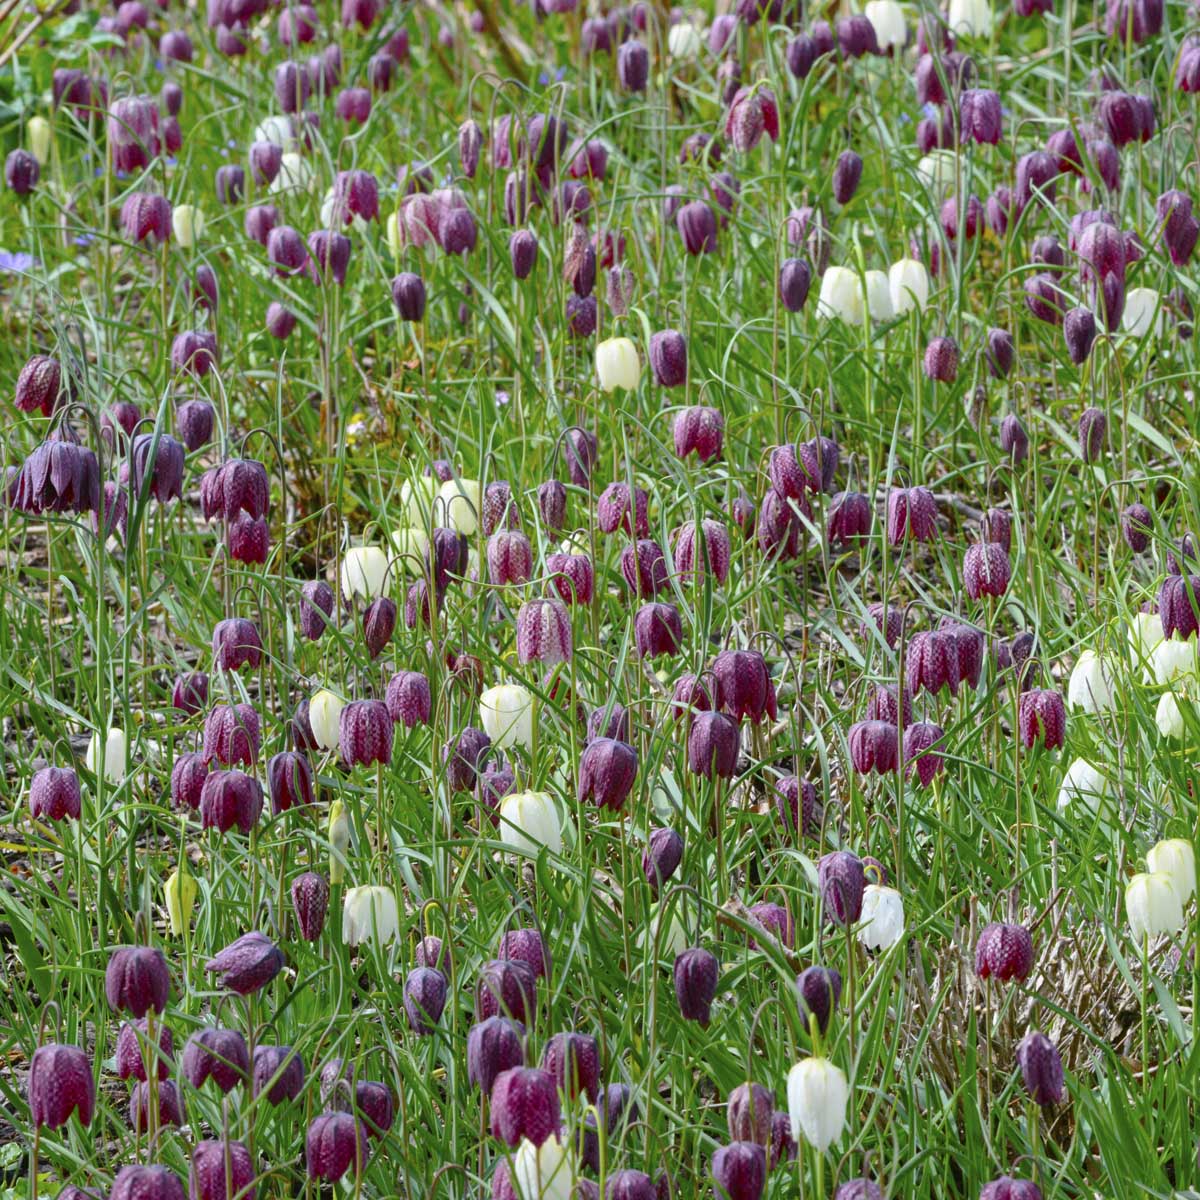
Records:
x=506, y=712
x=618, y=365
x=1176, y=859
x=1153, y=905
x=887, y=19
x=461, y=500
x=369, y=914
x=817, y=1094
x=179, y=893
x=529, y=821
x=881, y=925
x=841, y=296
x=908, y=286
x=325, y=718
x=364, y=572
x=187, y=224
x=38, y=137
x=116, y=753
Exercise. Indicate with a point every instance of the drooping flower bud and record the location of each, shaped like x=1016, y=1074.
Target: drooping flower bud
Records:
x=365, y=733
x=424, y=999
x=1041, y=717
x=740, y=1170
x=310, y=901
x=696, y=972
x=841, y=880
x=60, y=1083
x=137, y=980
x=1041, y=1069
x=217, y=1054
x=524, y=1104
x=661, y=858
x=1004, y=952
x=247, y=964
x=335, y=1143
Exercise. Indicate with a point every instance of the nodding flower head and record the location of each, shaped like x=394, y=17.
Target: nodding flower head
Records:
x=137, y=980
x=1004, y=952
x=842, y=880
x=696, y=971
x=60, y=1083
x=544, y=632
x=524, y=1104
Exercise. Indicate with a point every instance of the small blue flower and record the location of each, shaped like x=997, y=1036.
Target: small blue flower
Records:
x=16, y=264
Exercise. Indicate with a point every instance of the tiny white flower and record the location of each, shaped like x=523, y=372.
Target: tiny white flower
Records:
x=116, y=752
x=1083, y=784
x=1143, y=314
x=506, y=712
x=460, y=503
x=39, y=137
x=187, y=224
x=1176, y=859
x=277, y=130
x=369, y=913
x=364, y=572
x=683, y=40
x=545, y=1172
x=529, y=821
x=1152, y=905
x=295, y=174
x=970, y=17
x=882, y=922
x=618, y=365
x=817, y=1094
x=841, y=296
x=1174, y=659
x=879, y=296
x=1091, y=684
x=908, y=286
x=887, y=19
x=325, y=718
x=1168, y=717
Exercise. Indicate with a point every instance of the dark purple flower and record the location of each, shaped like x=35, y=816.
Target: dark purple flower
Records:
x=572, y=1060
x=713, y=745
x=146, y=1183
x=221, y=1171
x=847, y=172
x=841, y=880
x=873, y=747
x=289, y=780
x=696, y=972
x=54, y=794
x=247, y=964
x=137, y=980
x=408, y=295
x=700, y=431
x=335, y=1142
x=818, y=990
x=986, y=570
x=524, y=1104
x=232, y=735
x=661, y=858
x=310, y=899
x=697, y=227
x=911, y=513
x=1041, y=1069
x=365, y=733
x=740, y=1170
x=1042, y=717
x=424, y=999
x=495, y=1045
x=506, y=987
x=60, y=1083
